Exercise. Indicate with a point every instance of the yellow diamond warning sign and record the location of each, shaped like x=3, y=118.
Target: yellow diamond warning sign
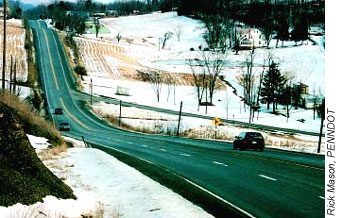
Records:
x=216, y=121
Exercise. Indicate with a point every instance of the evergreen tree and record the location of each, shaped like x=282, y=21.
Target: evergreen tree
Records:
x=273, y=83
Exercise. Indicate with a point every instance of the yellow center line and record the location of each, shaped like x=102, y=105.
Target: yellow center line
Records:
x=71, y=115
x=50, y=60
x=282, y=161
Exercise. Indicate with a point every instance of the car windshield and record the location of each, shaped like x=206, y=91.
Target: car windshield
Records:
x=254, y=135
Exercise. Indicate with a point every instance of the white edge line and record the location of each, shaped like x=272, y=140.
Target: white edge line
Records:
x=219, y=163
x=187, y=180
x=185, y=155
x=267, y=177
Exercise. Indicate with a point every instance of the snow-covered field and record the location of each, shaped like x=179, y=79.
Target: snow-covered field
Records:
x=304, y=63
x=227, y=105
x=114, y=191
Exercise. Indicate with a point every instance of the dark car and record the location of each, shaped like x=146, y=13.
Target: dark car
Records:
x=58, y=111
x=64, y=126
x=253, y=140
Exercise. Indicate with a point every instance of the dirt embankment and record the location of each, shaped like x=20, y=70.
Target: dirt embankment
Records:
x=24, y=179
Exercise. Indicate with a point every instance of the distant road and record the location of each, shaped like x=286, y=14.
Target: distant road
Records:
x=85, y=97
x=225, y=182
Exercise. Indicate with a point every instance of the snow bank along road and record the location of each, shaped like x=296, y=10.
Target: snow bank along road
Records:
x=223, y=181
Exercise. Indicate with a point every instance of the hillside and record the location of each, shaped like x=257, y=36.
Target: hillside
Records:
x=24, y=179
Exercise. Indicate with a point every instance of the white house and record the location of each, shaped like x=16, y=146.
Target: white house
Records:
x=250, y=37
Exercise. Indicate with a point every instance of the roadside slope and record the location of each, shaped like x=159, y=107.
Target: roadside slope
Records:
x=24, y=179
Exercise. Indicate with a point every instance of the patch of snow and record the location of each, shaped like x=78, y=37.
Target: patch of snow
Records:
x=75, y=143
x=114, y=191
x=38, y=143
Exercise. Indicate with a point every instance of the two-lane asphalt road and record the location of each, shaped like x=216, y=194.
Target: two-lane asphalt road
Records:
x=258, y=184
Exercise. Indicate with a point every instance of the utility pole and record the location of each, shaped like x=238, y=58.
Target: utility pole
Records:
x=14, y=80
x=4, y=49
x=179, y=120
x=91, y=91
x=120, y=113
x=322, y=108
x=11, y=75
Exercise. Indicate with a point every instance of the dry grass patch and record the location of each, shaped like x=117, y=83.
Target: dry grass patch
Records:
x=33, y=123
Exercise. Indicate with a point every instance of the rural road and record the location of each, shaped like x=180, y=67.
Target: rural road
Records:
x=245, y=183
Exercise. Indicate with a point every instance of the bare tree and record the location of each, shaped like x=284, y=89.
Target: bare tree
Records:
x=200, y=79
x=97, y=26
x=266, y=62
x=178, y=32
x=213, y=64
x=317, y=99
x=118, y=37
x=286, y=95
x=247, y=81
x=166, y=37
x=156, y=80
x=171, y=84
x=129, y=40
x=218, y=31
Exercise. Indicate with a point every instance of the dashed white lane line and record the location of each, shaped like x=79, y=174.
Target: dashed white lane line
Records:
x=267, y=177
x=145, y=146
x=321, y=197
x=185, y=155
x=130, y=143
x=219, y=163
x=163, y=150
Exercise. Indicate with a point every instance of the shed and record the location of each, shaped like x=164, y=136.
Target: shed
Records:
x=122, y=91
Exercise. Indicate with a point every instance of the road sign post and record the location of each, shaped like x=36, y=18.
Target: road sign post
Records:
x=216, y=121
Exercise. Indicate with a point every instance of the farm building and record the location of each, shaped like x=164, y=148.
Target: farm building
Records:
x=310, y=101
x=303, y=88
x=250, y=37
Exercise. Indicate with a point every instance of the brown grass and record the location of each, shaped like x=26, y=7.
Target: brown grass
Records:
x=50, y=154
x=129, y=70
x=70, y=59
x=39, y=126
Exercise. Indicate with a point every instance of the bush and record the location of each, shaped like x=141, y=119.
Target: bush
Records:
x=80, y=70
x=27, y=45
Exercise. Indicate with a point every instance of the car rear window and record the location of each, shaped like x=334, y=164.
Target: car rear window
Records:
x=254, y=135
